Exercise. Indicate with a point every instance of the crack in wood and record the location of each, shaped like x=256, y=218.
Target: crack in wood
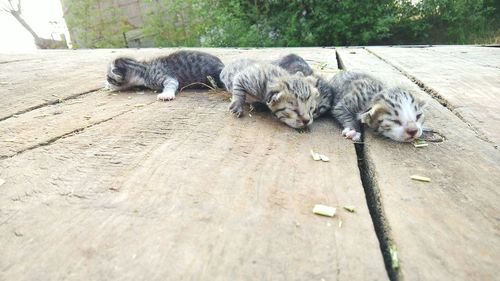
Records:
x=374, y=201
x=47, y=103
x=72, y=132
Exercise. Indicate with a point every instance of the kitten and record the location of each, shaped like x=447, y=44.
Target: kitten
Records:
x=392, y=112
x=291, y=98
x=294, y=63
x=166, y=73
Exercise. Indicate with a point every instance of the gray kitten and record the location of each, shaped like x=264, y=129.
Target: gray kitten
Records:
x=291, y=98
x=166, y=73
x=392, y=112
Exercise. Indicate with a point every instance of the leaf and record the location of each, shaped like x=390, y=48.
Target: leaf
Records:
x=393, y=252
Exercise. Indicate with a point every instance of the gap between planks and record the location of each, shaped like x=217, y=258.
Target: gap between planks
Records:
x=374, y=200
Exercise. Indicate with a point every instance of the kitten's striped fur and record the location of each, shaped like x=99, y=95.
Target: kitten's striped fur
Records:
x=166, y=73
x=291, y=98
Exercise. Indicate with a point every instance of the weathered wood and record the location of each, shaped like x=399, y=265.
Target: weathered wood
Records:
x=446, y=229
x=180, y=190
x=51, y=122
x=466, y=78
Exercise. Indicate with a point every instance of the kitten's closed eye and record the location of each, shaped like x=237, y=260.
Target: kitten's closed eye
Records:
x=419, y=115
x=396, y=122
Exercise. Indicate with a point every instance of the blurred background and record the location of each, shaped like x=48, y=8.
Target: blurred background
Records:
x=47, y=24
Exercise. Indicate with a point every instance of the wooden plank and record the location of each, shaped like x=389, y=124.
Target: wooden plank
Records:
x=466, y=78
x=446, y=229
x=53, y=121
x=184, y=190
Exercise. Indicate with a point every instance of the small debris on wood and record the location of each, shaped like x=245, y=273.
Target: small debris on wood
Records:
x=139, y=105
x=420, y=143
x=324, y=210
x=114, y=188
x=340, y=223
x=318, y=157
x=323, y=65
x=87, y=117
x=18, y=233
x=4, y=83
x=393, y=252
x=2, y=181
x=349, y=209
x=59, y=99
x=315, y=156
x=9, y=140
x=420, y=178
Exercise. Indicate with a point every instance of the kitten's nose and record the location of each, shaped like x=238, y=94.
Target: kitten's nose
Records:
x=305, y=121
x=411, y=132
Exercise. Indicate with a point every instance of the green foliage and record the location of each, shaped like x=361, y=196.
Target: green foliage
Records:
x=268, y=23
x=174, y=22
x=93, y=26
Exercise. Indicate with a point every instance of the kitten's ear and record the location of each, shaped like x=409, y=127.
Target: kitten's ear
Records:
x=371, y=115
x=274, y=97
x=312, y=80
x=299, y=73
x=422, y=103
x=118, y=71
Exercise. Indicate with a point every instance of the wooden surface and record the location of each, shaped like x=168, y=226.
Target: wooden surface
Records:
x=447, y=229
x=467, y=80
x=118, y=186
x=106, y=186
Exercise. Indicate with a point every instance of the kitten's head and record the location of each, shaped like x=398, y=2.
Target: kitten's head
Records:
x=397, y=114
x=117, y=74
x=293, y=100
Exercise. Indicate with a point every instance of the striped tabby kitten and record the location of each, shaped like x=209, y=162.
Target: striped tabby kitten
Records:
x=166, y=73
x=291, y=98
x=294, y=63
x=392, y=112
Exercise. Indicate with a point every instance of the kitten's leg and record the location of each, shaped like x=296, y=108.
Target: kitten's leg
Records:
x=170, y=86
x=238, y=100
x=348, y=121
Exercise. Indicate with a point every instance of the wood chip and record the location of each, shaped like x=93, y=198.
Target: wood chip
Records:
x=420, y=143
x=324, y=210
x=420, y=178
x=349, y=209
x=139, y=105
x=315, y=156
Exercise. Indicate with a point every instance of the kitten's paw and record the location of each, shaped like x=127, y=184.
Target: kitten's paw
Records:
x=165, y=96
x=344, y=132
x=351, y=134
x=236, y=109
